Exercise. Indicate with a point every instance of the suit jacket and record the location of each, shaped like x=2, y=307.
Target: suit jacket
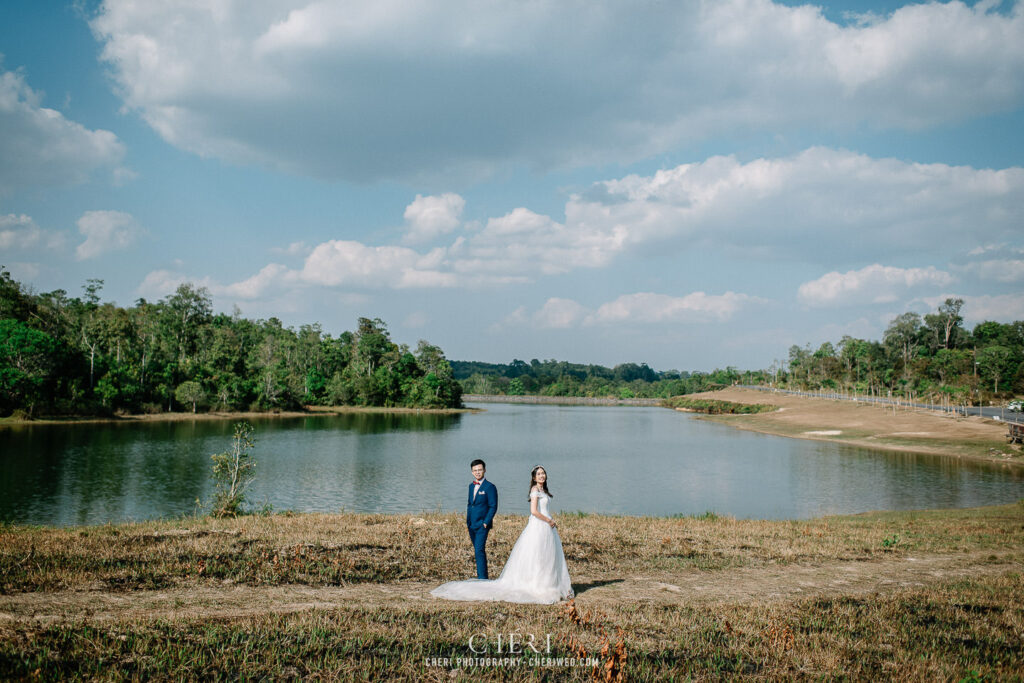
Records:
x=482, y=509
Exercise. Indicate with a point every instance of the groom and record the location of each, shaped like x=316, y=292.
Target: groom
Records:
x=483, y=503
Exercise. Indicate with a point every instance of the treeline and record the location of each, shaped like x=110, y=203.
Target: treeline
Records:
x=560, y=378
x=933, y=356
x=77, y=355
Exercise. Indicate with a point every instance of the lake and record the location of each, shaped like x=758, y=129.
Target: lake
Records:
x=614, y=460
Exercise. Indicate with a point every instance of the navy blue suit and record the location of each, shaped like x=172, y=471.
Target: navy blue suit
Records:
x=479, y=516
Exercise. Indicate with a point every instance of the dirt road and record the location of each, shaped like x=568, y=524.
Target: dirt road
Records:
x=765, y=583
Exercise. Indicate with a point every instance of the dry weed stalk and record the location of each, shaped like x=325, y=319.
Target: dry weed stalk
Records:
x=612, y=661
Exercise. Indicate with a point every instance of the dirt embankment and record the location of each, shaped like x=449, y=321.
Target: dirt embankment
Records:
x=873, y=426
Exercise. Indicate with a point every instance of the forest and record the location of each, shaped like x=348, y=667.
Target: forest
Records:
x=561, y=378
x=64, y=355
x=933, y=357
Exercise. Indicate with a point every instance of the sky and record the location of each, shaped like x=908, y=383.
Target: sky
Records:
x=692, y=185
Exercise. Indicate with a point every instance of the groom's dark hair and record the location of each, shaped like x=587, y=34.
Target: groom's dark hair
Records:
x=476, y=462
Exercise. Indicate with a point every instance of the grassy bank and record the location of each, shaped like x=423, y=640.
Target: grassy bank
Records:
x=870, y=426
x=347, y=596
x=227, y=415
x=713, y=406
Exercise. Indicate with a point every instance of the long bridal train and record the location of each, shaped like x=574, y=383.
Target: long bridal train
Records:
x=534, y=573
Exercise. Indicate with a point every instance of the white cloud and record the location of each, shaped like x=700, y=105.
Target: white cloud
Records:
x=430, y=217
x=257, y=285
x=294, y=249
x=642, y=307
x=648, y=307
x=828, y=207
x=106, y=231
x=827, y=204
x=39, y=147
x=1003, y=307
x=820, y=205
x=347, y=263
x=1004, y=263
x=381, y=89
x=997, y=270
x=523, y=243
x=18, y=231
x=875, y=284
x=160, y=283
x=559, y=313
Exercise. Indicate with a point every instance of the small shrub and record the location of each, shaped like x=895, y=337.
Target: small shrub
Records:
x=233, y=473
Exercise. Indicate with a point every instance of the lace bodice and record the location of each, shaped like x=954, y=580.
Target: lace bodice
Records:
x=542, y=502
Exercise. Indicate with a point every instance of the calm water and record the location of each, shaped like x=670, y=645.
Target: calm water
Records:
x=635, y=461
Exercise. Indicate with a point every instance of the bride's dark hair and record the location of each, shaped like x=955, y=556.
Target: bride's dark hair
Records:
x=533, y=481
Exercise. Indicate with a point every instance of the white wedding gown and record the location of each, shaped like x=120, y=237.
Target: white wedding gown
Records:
x=535, y=570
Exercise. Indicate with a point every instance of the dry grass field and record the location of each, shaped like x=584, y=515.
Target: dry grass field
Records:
x=909, y=595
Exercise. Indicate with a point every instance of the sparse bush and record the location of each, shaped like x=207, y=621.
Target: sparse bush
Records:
x=233, y=472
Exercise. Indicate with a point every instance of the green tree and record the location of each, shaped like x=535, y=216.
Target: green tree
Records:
x=995, y=363
x=190, y=392
x=902, y=337
x=14, y=302
x=26, y=363
x=183, y=314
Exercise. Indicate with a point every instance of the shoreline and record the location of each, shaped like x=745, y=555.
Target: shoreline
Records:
x=532, y=399
x=871, y=426
x=310, y=411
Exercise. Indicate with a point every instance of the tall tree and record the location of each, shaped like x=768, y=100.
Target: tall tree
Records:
x=902, y=336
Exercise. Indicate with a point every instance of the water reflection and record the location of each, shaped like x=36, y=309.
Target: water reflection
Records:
x=638, y=461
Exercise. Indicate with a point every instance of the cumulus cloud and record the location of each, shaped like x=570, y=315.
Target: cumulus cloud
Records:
x=642, y=307
x=257, y=285
x=430, y=217
x=828, y=207
x=875, y=284
x=991, y=307
x=524, y=243
x=648, y=307
x=997, y=270
x=18, y=231
x=824, y=203
x=559, y=313
x=387, y=89
x=347, y=263
x=106, y=231
x=39, y=147
x=820, y=205
x=162, y=282
x=294, y=249
x=1002, y=263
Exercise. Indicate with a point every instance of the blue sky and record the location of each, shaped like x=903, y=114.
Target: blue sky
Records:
x=688, y=184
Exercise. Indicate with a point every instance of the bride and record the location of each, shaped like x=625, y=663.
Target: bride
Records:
x=535, y=570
